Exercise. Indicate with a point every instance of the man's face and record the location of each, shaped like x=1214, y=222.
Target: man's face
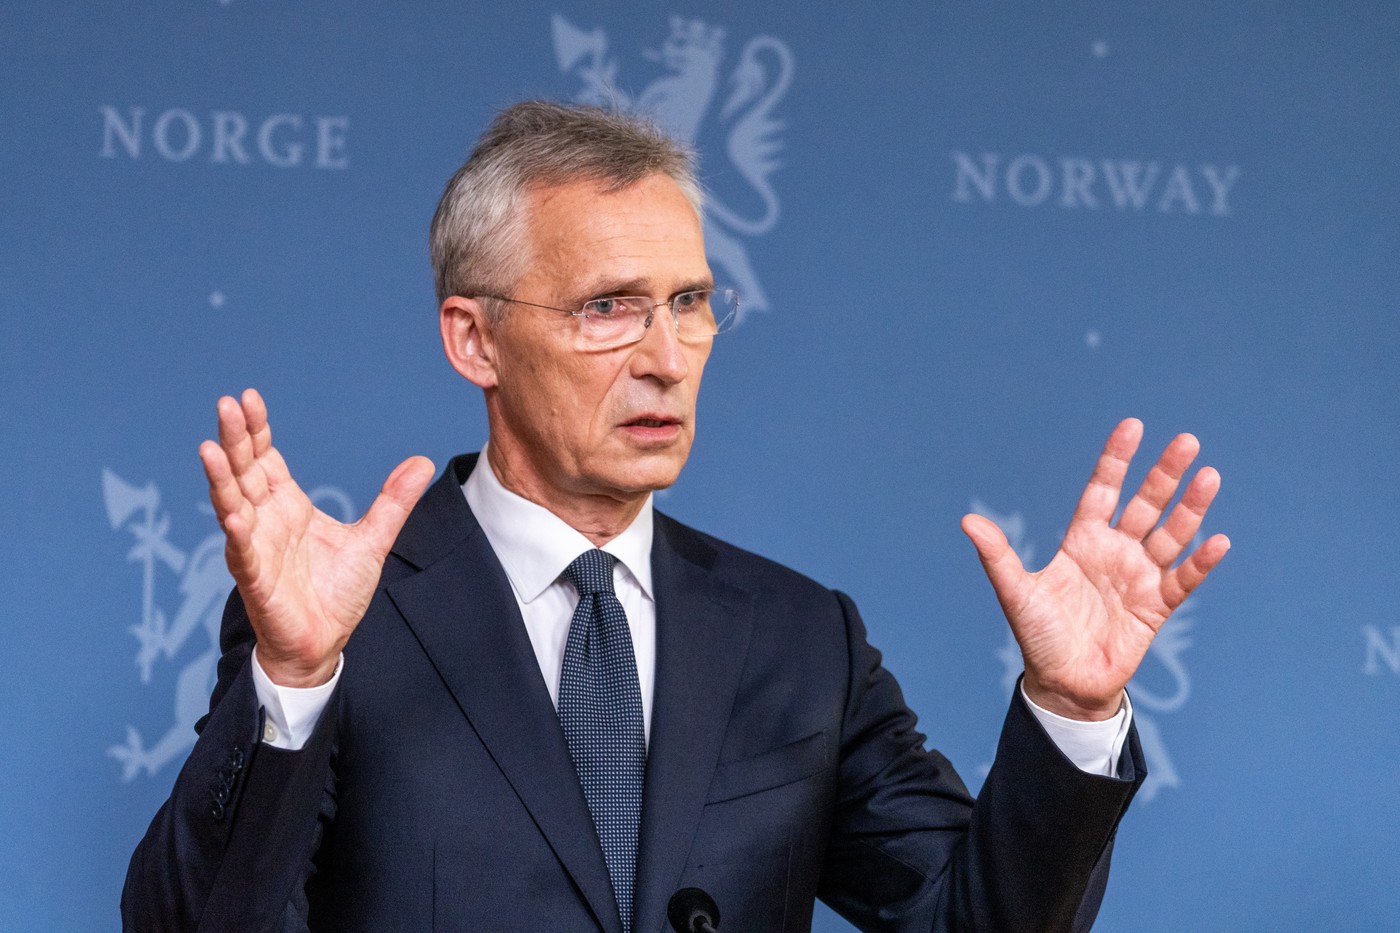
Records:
x=571, y=424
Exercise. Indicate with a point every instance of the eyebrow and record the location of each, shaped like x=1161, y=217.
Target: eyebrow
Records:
x=635, y=287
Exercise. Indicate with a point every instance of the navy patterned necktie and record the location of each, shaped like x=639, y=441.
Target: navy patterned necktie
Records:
x=600, y=707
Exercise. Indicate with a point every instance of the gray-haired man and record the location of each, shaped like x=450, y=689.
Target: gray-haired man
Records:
x=527, y=700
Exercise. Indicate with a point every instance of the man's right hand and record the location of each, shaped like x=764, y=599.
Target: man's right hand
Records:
x=305, y=578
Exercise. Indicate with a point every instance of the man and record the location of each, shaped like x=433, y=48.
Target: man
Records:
x=530, y=702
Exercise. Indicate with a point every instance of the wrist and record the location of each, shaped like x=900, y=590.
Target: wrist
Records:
x=1083, y=709
x=286, y=672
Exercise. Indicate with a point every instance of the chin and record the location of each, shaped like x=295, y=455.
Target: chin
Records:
x=650, y=475
x=654, y=481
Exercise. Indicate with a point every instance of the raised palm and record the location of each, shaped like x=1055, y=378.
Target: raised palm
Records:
x=305, y=578
x=1086, y=620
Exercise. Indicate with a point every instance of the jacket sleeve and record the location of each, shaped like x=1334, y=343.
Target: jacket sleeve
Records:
x=231, y=848
x=910, y=848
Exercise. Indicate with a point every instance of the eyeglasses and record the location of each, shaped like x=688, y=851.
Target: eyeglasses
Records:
x=609, y=323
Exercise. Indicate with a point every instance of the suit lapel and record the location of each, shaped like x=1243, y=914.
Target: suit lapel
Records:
x=703, y=625
x=461, y=608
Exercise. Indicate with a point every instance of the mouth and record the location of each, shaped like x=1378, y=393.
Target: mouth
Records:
x=653, y=428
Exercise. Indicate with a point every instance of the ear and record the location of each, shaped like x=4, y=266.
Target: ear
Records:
x=468, y=340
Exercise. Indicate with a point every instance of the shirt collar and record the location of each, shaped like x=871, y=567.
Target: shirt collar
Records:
x=535, y=546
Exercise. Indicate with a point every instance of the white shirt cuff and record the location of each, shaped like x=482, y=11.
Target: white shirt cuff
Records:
x=290, y=714
x=1094, y=747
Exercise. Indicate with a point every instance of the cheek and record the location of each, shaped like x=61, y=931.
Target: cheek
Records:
x=577, y=400
x=534, y=399
x=539, y=381
x=697, y=369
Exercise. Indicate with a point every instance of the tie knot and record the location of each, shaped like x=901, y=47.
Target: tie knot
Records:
x=591, y=572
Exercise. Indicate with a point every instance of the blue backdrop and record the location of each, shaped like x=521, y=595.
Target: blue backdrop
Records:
x=973, y=236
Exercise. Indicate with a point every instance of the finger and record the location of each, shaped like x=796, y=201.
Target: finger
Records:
x=224, y=493
x=1143, y=511
x=1178, y=584
x=238, y=447
x=234, y=513
x=1100, y=496
x=999, y=558
x=389, y=510
x=1168, y=542
x=233, y=434
x=255, y=413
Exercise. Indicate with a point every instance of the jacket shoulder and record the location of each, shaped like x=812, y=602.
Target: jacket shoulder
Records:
x=743, y=567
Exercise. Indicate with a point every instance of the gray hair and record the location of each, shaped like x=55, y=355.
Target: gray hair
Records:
x=477, y=240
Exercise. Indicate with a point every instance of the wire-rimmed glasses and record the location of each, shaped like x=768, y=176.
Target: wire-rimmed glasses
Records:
x=616, y=321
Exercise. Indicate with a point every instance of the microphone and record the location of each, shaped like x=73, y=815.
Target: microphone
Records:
x=691, y=910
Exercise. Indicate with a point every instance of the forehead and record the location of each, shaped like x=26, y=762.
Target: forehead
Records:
x=581, y=233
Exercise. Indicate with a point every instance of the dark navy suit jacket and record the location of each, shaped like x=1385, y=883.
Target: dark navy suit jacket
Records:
x=436, y=792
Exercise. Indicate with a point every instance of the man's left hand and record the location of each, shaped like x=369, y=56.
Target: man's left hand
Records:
x=1085, y=622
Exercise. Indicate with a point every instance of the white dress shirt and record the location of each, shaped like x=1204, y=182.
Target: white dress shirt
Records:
x=534, y=546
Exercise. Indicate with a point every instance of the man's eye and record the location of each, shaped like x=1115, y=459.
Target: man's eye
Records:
x=691, y=301
x=602, y=307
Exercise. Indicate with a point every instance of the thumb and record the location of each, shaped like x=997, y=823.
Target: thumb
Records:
x=999, y=559
x=396, y=499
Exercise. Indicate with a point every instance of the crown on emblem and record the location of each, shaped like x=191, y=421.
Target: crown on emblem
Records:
x=694, y=34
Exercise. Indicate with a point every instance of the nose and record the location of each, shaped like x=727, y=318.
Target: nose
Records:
x=660, y=353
